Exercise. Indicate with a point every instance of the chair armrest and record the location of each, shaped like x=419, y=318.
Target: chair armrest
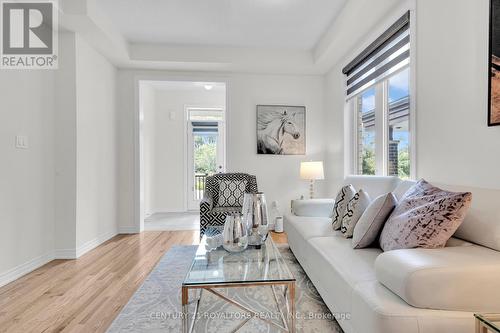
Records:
x=206, y=204
x=313, y=207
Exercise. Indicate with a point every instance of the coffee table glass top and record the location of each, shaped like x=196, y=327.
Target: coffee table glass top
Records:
x=250, y=266
x=492, y=321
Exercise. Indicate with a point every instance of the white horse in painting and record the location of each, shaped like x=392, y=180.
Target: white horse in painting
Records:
x=272, y=128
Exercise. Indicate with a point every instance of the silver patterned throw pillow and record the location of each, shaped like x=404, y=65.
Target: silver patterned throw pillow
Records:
x=231, y=193
x=426, y=217
x=345, y=194
x=355, y=208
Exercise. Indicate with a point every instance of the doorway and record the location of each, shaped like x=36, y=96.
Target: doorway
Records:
x=205, y=150
x=182, y=141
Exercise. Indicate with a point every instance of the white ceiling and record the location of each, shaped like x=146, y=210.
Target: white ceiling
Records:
x=294, y=24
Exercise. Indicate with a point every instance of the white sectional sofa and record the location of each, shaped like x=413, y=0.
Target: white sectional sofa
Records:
x=410, y=291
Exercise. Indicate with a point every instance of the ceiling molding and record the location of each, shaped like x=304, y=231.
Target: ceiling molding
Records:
x=226, y=58
x=82, y=17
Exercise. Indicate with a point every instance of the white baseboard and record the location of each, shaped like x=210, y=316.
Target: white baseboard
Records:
x=29, y=266
x=93, y=243
x=65, y=254
x=23, y=269
x=128, y=230
x=84, y=248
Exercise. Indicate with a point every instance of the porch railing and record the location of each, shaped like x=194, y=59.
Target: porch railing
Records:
x=199, y=185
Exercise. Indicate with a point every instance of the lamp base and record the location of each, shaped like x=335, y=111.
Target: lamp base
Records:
x=311, y=189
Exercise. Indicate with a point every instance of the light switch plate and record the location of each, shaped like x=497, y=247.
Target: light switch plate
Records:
x=172, y=115
x=21, y=142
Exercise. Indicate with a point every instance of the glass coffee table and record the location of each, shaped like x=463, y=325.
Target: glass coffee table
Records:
x=219, y=269
x=487, y=323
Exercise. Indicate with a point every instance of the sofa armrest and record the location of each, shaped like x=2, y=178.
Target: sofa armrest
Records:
x=313, y=207
x=206, y=204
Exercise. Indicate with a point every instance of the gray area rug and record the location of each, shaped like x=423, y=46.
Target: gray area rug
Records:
x=155, y=306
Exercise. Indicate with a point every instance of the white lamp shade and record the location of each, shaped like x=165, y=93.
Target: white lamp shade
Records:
x=312, y=170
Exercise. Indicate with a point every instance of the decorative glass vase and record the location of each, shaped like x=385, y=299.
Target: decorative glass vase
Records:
x=235, y=234
x=255, y=217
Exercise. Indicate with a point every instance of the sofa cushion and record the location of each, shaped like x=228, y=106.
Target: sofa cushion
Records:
x=355, y=208
x=352, y=265
x=371, y=222
x=335, y=269
x=461, y=278
x=426, y=216
x=377, y=309
x=341, y=200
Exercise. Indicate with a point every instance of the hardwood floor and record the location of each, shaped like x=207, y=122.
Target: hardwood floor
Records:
x=86, y=294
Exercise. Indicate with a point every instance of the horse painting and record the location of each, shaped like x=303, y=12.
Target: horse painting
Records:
x=280, y=130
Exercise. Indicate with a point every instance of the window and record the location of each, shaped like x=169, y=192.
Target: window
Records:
x=398, y=150
x=378, y=95
x=366, y=132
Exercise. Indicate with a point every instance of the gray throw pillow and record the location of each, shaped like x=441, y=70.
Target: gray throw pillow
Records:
x=426, y=217
x=371, y=222
x=355, y=208
x=345, y=194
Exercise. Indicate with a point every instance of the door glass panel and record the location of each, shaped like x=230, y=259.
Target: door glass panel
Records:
x=205, y=160
x=399, y=129
x=206, y=152
x=366, y=132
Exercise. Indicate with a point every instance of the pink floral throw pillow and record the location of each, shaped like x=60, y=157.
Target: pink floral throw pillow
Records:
x=426, y=216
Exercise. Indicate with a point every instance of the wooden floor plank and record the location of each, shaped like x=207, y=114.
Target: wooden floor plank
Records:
x=85, y=295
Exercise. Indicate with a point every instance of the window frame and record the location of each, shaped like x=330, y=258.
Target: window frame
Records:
x=381, y=127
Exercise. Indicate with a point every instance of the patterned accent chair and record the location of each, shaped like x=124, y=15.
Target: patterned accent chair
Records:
x=224, y=195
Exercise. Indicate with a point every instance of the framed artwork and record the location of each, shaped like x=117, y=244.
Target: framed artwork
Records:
x=281, y=130
x=494, y=65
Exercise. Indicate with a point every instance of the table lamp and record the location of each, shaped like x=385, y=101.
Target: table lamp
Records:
x=312, y=171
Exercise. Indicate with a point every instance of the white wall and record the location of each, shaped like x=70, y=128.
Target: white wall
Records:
x=334, y=129
x=26, y=175
x=58, y=197
x=148, y=132
x=170, y=157
x=65, y=147
x=278, y=176
x=454, y=145
x=96, y=147
x=127, y=95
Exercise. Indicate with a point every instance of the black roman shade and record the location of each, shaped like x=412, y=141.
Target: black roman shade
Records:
x=205, y=126
x=386, y=55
